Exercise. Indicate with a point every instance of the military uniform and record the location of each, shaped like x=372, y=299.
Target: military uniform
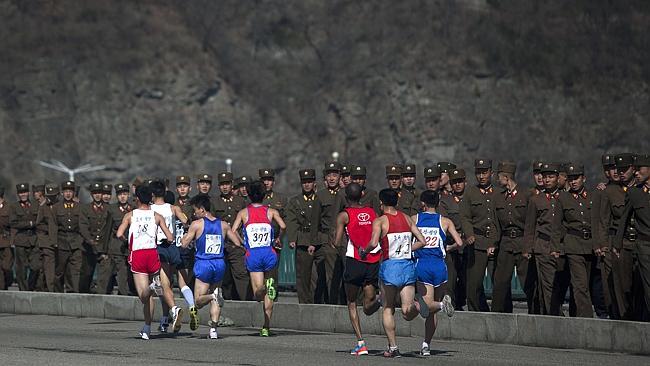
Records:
x=236, y=282
x=240, y=183
x=456, y=260
x=187, y=254
x=409, y=196
x=542, y=236
x=6, y=253
x=304, y=225
x=278, y=202
x=46, y=238
x=511, y=207
x=68, y=269
x=93, y=219
x=637, y=204
x=115, y=261
x=478, y=213
x=618, y=270
x=369, y=197
x=22, y=218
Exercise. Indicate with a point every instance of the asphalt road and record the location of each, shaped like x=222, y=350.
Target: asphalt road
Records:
x=51, y=340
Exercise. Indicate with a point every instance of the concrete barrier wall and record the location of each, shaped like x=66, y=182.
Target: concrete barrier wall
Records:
x=520, y=329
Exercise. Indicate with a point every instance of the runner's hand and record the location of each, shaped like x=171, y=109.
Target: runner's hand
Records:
x=490, y=251
x=362, y=254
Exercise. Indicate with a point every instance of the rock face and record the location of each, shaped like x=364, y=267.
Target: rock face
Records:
x=160, y=88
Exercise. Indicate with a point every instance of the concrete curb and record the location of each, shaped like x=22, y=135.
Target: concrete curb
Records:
x=519, y=329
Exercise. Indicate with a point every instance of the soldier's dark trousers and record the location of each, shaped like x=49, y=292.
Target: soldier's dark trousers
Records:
x=28, y=258
x=304, y=266
x=6, y=267
x=115, y=264
x=238, y=284
x=580, y=271
x=622, y=274
x=456, y=276
x=501, y=290
x=49, y=259
x=596, y=288
x=68, y=270
x=88, y=265
x=546, y=267
x=642, y=254
x=323, y=275
x=476, y=266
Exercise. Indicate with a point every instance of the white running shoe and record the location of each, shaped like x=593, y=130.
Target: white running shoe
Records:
x=213, y=334
x=217, y=295
x=448, y=307
x=176, y=313
x=144, y=335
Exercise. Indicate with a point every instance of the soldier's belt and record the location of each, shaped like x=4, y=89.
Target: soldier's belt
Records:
x=543, y=236
x=584, y=234
x=304, y=230
x=481, y=232
x=513, y=233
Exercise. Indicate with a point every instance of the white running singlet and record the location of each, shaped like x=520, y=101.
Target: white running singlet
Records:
x=142, y=232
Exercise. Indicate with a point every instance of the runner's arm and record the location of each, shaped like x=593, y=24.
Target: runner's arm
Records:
x=275, y=215
x=160, y=221
x=187, y=239
x=230, y=233
x=451, y=229
x=121, y=230
x=418, y=235
x=180, y=214
x=377, y=229
x=341, y=220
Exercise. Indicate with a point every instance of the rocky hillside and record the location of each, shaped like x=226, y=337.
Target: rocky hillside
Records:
x=167, y=87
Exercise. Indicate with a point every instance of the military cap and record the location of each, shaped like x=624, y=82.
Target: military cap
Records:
x=575, y=169
x=563, y=167
x=107, y=188
x=455, y=174
x=608, y=160
x=121, y=187
x=96, y=187
x=550, y=168
x=51, y=190
x=482, y=164
x=38, y=188
x=69, y=185
x=332, y=166
x=507, y=167
x=22, y=187
x=224, y=177
x=642, y=160
x=266, y=173
x=624, y=160
x=204, y=178
x=307, y=174
x=393, y=170
x=345, y=169
x=537, y=166
x=446, y=167
x=358, y=171
x=183, y=179
x=409, y=169
x=432, y=172
x=240, y=181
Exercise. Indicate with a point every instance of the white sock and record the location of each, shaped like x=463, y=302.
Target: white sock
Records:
x=425, y=344
x=187, y=294
x=146, y=328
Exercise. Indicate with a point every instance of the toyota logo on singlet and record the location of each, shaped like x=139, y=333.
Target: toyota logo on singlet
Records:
x=363, y=216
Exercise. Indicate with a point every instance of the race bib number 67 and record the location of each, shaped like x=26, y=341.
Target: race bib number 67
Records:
x=213, y=244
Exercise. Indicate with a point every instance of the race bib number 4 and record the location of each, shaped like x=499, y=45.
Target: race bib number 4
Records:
x=399, y=245
x=213, y=244
x=431, y=236
x=259, y=235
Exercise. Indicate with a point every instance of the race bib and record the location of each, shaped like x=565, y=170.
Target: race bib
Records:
x=431, y=236
x=212, y=244
x=399, y=245
x=180, y=231
x=259, y=235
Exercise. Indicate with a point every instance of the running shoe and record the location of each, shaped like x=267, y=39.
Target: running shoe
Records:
x=176, y=313
x=265, y=332
x=144, y=335
x=217, y=295
x=425, y=351
x=392, y=353
x=423, y=308
x=448, y=306
x=359, y=350
x=194, y=318
x=213, y=334
x=162, y=327
x=270, y=289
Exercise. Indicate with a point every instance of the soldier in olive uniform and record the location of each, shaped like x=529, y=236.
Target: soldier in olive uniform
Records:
x=225, y=206
x=603, y=258
x=538, y=178
x=66, y=213
x=204, y=183
x=511, y=206
x=183, y=189
x=114, y=262
x=619, y=267
x=432, y=178
x=579, y=216
x=409, y=195
x=107, y=193
x=562, y=177
x=456, y=260
x=445, y=168
x=637, y=204
x=93, y=218
x=304, y=223
x=276, y=201
x=6, y=253
x=346, y=178
x=22, y=219
x=38, y=191
x=394, y=177
x=481, y=228
x=46, y=237
x=241, y=188
x=369, y=197
x=542, y=234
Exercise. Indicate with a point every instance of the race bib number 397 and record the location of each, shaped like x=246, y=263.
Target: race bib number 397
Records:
x=259, y=235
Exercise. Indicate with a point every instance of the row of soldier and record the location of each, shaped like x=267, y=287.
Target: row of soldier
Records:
x=558, y=237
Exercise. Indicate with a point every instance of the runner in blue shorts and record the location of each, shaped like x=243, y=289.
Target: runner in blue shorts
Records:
x=208, y=233
x=258, y=238
x=431, y=270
